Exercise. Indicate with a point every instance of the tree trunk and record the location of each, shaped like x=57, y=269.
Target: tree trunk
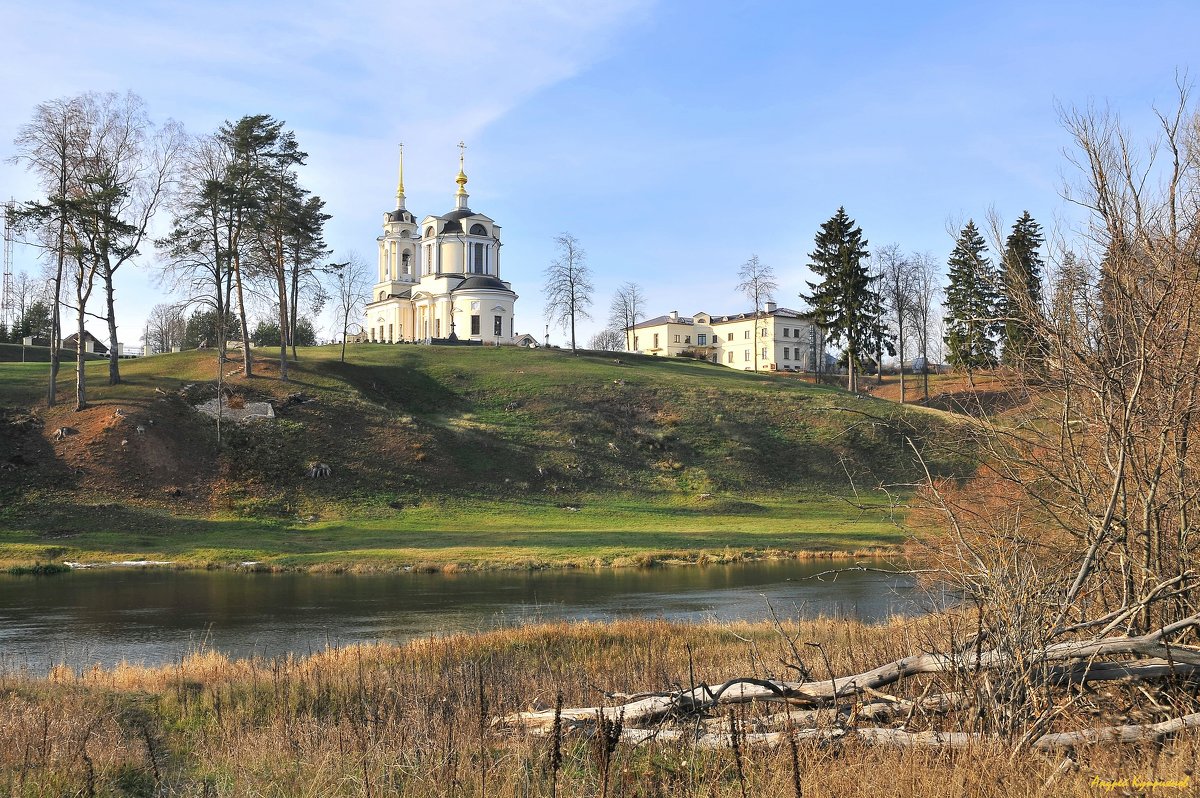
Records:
x=283, y=320
x=572, y=328
x=294, y=301
x=900, y=347
x=55, y=315
x=114, y=370
x=80, y=374
x=55, y=334
x=345, y=327
x=247, y=366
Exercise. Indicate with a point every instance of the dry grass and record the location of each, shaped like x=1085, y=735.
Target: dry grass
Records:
x=413, y=720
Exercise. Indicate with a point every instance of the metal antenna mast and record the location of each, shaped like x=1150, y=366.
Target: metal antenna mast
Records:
x=7, y=301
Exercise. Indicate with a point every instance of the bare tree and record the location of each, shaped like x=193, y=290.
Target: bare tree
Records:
x=607, y=340
x=628, y=305
x=924, y=308
x=353, y=282
x=757, y=282
x=1080, y=523
x=165, y=326
x=897, y=290
x=136, y=160
x=48, y=146
x=568, y=288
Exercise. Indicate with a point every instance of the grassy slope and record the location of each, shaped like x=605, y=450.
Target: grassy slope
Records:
x=502, y=457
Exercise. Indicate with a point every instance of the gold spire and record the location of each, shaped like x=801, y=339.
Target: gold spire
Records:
x=462, y=176
x=400, y=186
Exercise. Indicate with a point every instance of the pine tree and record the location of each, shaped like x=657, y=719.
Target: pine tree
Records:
x=1022, y=281
x=971, y=304
x=843, y=302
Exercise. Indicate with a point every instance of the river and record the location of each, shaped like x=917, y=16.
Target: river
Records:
x=156, y=616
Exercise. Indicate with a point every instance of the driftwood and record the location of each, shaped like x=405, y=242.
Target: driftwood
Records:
x=924, y=739
x=835, y=708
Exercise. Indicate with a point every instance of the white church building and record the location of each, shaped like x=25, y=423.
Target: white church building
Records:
x=439, y=279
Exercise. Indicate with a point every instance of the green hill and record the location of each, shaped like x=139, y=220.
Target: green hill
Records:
x=453, y=455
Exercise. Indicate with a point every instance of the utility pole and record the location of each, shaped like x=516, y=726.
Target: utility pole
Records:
x=7, y=300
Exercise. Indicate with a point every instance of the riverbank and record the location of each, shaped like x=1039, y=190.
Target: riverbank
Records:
x=415, y=720
x=594, y=531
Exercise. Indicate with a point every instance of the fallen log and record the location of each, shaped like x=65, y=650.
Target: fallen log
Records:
x=1168, y=659
x=900, y=738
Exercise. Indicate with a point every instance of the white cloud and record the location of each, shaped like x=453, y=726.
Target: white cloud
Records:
x=351, y=79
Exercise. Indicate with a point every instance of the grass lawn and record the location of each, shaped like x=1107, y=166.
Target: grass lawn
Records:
x=604, y=530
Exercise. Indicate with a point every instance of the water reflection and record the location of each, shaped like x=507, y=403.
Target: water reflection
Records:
x=157, y=616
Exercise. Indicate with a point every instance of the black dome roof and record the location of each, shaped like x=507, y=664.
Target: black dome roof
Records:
x=400, y=215
x=452, y=227
x=478, y=281
x=458, y=213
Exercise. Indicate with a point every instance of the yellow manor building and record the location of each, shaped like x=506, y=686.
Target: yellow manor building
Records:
x=773, y=339
x=439, y=280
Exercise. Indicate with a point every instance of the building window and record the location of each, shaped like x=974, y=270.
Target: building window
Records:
x=701, y=339
x=764, y=354
x=747, y=355
x=730, y=336
x=785, y=332
x=676, y=338
x=656, y=340
x=498, y=326
x=747, y=335
x=475, y=324
x=479, y=265
x=787, y=353
x=390, y=338
x=478, y=230
x=687, y=339
x=763, y=334
x=404, y=259
x=437, y=328
x=730, y=357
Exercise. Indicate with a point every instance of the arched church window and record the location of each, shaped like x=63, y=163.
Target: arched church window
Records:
x=429, y=232
x=405, y=258
x=478, y=230
x=479, y=266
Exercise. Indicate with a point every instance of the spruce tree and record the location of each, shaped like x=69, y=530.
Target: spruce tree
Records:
x=1022, y=282
x=842, y=301
x=971, y=304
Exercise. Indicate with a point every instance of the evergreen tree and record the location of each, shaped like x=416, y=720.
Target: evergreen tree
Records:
x=971, y=304
x=35, y=322
x=843, y=302
x=1022, y=298
x=204, y=328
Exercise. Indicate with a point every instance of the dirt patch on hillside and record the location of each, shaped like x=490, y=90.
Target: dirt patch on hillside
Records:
x=134, y=450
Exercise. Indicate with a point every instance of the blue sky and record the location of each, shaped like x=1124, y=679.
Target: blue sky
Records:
x=674, y=139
